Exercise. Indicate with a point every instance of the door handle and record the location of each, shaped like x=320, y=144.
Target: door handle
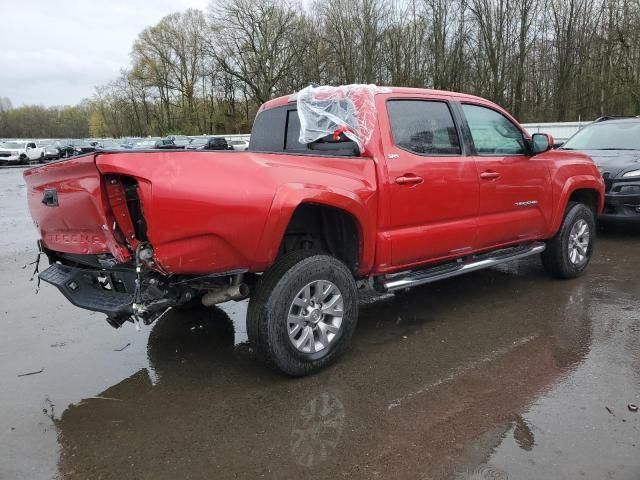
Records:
x=489, y=175
x=409, y=180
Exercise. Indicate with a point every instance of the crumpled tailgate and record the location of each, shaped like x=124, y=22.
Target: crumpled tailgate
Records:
x=69, y=206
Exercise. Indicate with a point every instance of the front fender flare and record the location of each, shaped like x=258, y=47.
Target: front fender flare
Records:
x=577, y=182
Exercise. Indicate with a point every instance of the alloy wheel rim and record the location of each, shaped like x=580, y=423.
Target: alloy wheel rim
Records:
x=315, y=316
x=579, y=238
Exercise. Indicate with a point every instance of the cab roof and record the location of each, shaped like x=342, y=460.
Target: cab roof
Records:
x=286, y=99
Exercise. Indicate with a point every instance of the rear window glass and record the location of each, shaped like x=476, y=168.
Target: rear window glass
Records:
x=423, y=127
x=278, y=130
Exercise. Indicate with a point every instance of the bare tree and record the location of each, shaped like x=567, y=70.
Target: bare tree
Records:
x=255, y=41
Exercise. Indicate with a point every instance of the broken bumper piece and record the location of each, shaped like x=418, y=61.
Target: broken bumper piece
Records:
x=94, y=289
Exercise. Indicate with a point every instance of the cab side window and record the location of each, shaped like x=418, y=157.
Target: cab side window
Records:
x=292, y=140
x=423, y=127
x=493, y=133
x=267, y=134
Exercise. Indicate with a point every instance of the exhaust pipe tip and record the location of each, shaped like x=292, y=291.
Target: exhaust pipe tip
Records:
x=243, y=290
x=233, y=292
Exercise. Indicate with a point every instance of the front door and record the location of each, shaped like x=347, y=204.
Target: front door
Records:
x=432, y=185
x=515, y=188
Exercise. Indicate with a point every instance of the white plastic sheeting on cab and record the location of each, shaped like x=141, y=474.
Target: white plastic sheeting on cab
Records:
x=346, y=109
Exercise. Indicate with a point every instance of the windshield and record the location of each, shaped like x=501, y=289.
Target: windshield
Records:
x=606, y=136
x=14, y=145
x=199, y=141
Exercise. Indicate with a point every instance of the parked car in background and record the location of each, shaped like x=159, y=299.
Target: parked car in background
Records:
x=155, y=144
x=20, y=152
x=614, y=145
x=239, y=144
x=66, y=148
x=109, y=144
x=217, y=143
x=197, y=143
x=181, y=140
x=80, y=147
x=127, y=143
x=407, y=187
x=51, y=152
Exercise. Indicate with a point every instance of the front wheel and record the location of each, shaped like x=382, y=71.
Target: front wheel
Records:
x=569, y=252
x=303, y=312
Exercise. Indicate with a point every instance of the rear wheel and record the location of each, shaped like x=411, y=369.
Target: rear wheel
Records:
x=192, y=304
x=569, y=252
x=303, y=312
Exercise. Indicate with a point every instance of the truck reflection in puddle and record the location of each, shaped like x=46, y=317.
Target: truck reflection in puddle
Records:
x=465, y=374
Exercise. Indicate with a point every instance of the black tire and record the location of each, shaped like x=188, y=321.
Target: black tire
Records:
x=555, y=258
x=24, y=160
x=189, y=305
x=272, y=298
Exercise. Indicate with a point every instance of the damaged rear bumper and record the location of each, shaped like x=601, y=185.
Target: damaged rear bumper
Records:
x=109, y=292
x=134, y=293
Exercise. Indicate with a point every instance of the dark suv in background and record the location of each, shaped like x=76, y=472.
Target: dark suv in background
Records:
x=614, y=145
x=217, y=143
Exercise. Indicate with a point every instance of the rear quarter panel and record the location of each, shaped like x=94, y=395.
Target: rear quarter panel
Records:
x=81, y=223
x=217, y=211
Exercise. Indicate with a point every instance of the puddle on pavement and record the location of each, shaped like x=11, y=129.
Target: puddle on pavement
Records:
x=496, y=375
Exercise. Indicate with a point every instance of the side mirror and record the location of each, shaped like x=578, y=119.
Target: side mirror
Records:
x=541, y=142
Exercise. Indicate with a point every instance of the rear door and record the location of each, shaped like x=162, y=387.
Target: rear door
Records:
x=432, y=184
x=515, y=187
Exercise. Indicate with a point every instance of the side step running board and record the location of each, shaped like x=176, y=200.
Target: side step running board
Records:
x=412, y=278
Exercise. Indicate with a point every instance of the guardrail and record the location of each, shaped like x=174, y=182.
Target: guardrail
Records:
x=561, y=131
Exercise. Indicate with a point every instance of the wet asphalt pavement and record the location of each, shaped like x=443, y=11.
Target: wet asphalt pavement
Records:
x=499, y=374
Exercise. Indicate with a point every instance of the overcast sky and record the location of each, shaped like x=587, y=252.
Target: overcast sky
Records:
x=54, y=52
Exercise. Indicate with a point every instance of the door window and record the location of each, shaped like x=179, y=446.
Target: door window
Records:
x=493, y=133
x=423, y=127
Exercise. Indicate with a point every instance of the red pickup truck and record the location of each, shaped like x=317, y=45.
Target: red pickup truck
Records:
x=385, y=188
